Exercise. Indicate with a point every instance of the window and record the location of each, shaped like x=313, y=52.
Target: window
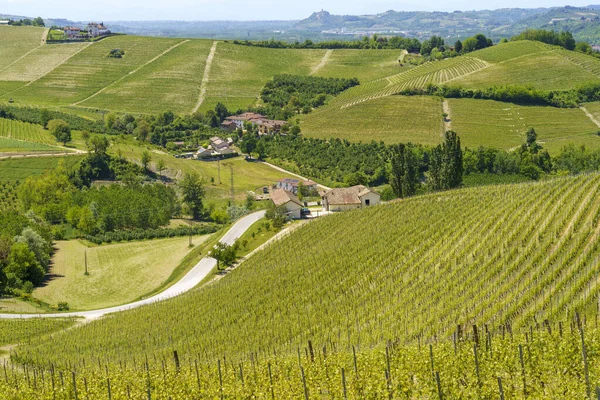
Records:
x=367, y=202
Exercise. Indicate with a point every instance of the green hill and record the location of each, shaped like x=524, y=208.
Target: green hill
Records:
x=503, y=258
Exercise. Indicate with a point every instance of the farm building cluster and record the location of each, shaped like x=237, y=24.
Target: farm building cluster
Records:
x=217, y=149
x=265, y=126
x=285, y=195
x=93, y=30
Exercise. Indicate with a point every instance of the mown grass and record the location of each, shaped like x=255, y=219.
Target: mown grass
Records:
x=392, y=119
x=170, y=83
x=503, y=125
x=118, y=273
x=8, y=145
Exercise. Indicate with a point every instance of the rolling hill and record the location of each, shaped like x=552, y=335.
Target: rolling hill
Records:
x=429, y=264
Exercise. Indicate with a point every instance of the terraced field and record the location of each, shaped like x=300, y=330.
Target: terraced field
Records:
x=511, y=50
x=503, y=125
x=393, y=119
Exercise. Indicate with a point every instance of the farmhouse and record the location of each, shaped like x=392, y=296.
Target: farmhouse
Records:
x=291, y=185
x=95, y=29
x=343, y=199
x=218, y=144
x=72, y=32
x=283, y=198
x=229, y=126
x=265, y=126
x=3, y=22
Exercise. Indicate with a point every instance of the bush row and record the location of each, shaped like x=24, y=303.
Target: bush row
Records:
x=141, y=234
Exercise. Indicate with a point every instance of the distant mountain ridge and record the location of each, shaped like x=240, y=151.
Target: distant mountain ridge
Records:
x=583, y=22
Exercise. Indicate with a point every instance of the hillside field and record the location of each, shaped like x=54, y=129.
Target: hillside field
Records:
x=118, y=273
x=529, y=255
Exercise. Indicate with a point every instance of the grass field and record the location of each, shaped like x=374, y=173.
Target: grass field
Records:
x=118, y=273
x=511, y=50
x=172, y=82
x=345, y=292
x=392, y=119
x=503, y=125
x=15, y=42
x=18, y=169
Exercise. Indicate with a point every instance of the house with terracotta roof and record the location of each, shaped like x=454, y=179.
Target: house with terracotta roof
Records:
x=291, y=185
x=265, y=126
x=244, y=117
x=72, y=32
x=286, y=199
x=95, y=29
x=342, y=199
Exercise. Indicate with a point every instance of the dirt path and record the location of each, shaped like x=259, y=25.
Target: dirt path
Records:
x=205, y=77
x=590, y=116
x=131, y=73
x=45, y=36
x=403, y=54
x=322, y=63
x=448, y=119
x=293, y=174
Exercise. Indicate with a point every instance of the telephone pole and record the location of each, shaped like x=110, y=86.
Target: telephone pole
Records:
x=232, y=191
x=219, y=169
x=86, y=268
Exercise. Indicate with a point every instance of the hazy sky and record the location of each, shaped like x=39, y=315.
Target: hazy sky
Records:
x=238, y=9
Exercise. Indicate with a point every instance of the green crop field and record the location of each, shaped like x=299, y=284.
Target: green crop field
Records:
x=91, y=70
x=118, y=273
x=366, y=65
x=392, y=314
x=27, y=330
x=238, y=73
x=511, y=50
x=172, y=82
x=39, y=62
x=18, y=169
x=8, y=145
x=503, y=125
x=16, y=42
x=392, y=119
x=10, y=128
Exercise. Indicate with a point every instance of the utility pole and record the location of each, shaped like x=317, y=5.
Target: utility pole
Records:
x=232, y=191
x=219, y=169
x=86, y=267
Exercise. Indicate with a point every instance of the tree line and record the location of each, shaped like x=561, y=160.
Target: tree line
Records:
x=37, y=21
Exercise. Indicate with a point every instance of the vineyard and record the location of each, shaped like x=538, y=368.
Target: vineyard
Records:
x=15, y=43
x=13, y=331
x=10, y=128
x=18, y=169
x=16, y=146
x=503, y=125
x=430, y=269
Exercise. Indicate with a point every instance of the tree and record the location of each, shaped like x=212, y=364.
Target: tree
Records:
x=145, y=160
x=452, y=164
x=61, y=130
x=192, y=189
x=583, y=47
x=221, y=112
x=224, y=253
x=109, y=121
x=469, y=45
x=160, y=167
x=142, y=130
x=38, y=21
x=45, y=117
x=404, y=177
x=99, y=144
x=458, y=46
x=36, y=243
x=23, y=266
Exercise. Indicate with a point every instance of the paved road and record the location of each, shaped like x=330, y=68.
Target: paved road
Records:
x=191, y=279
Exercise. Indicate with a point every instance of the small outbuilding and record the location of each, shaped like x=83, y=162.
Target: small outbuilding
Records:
x=284, y=198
